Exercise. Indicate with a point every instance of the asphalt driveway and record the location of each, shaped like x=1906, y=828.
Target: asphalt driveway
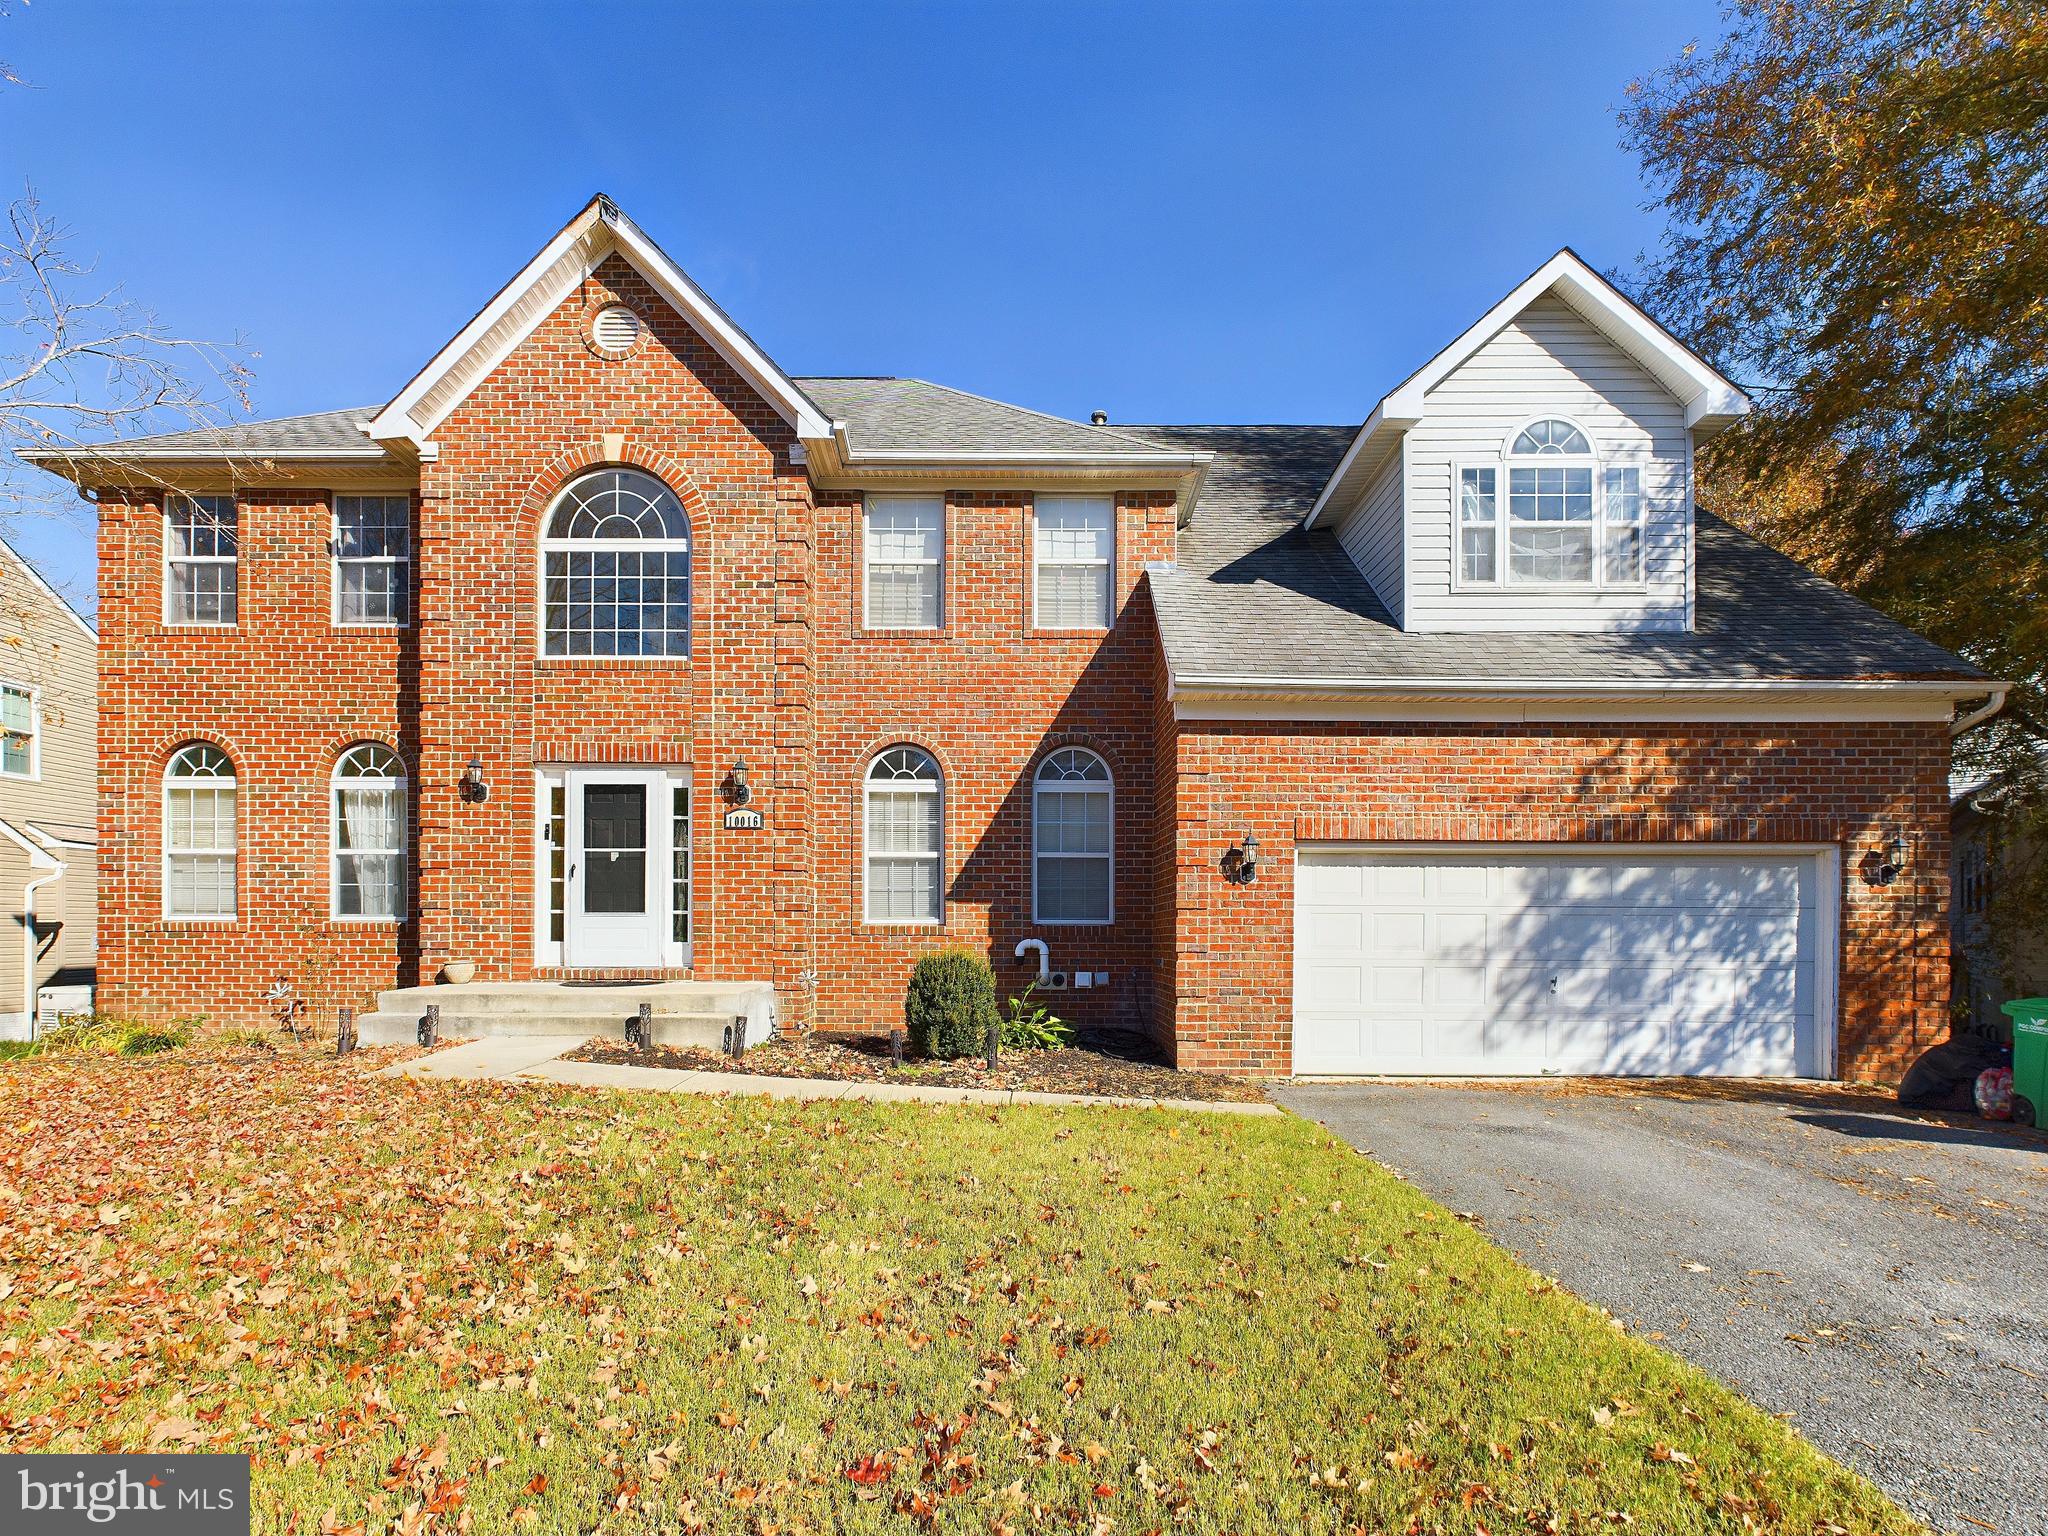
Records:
x=1879, y=1278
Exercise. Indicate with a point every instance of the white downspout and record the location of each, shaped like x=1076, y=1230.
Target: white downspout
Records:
x=1044, y=957
x=28, y=941
x=1982, y=712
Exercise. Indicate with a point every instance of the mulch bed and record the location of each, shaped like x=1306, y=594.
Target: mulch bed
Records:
x=1106, y=1062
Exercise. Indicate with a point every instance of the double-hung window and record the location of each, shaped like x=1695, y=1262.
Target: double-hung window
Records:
x=199, y=833
x=201, y=542
x=18, y=731
x=1075, y=561
x=369, y=834
x=905, y=829
x=372, y=559
x=906, y=561
x=1549, y=514
x=1072, y=839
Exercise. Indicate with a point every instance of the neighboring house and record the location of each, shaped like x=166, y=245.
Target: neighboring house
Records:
x=1457, y=742
x=48, y=727
x=2000, y=867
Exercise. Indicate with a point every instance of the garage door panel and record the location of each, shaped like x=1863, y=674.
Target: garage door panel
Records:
x=1510, y=960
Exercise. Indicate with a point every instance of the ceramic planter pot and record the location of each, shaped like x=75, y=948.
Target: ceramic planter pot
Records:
x=456, y=972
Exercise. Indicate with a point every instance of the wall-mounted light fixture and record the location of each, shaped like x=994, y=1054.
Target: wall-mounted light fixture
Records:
x=737, y=789
x=473, y=787
x=1891, y=857
x=1241, y=864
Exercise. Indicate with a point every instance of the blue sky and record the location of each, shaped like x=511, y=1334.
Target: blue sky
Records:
x=1179, y=212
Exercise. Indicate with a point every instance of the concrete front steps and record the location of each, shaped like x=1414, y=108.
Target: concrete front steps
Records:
x=696, y=1013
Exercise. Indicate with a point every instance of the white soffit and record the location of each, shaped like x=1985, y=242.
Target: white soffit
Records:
x=597, y=232
x=1711, y=401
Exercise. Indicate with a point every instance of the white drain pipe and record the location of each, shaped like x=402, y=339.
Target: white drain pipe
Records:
x=1044, y=957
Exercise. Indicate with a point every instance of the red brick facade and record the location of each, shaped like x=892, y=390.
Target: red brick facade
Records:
x=1293, y=783
x=783, y=674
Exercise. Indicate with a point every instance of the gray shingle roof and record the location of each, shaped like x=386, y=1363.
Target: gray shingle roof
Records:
x=916, y=416
x=320, y=432
x=1253, y=596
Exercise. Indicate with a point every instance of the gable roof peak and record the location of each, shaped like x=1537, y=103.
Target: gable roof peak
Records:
x=600, y=229
x=1711, y=401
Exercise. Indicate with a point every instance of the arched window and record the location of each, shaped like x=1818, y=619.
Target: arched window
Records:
x=615, y=569
x=199, y=833
x=1550, y=505
x=369, y=834
x=1072, y=839
x=905, y=820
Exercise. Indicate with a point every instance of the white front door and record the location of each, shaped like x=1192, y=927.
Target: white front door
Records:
x=618, y=855
x=1641, y=961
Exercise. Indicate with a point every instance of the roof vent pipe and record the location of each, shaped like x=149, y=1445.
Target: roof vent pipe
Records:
x=1099, y=418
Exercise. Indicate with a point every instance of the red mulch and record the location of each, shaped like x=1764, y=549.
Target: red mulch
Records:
x=1105, y=1062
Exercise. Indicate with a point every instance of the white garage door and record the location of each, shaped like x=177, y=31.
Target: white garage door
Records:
x=1513, y=960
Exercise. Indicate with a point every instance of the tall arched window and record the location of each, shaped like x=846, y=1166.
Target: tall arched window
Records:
x=199, y=833
x=905, y=821
x=1073, y=839
x=369, y=834
x=615, y=569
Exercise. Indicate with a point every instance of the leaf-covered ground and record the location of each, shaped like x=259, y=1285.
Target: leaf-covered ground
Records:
x=432, y=1307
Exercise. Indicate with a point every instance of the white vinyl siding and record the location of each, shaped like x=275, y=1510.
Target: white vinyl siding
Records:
x=905, y=561
x=1372, y=536
x=1549, y=362
x=1074, y=575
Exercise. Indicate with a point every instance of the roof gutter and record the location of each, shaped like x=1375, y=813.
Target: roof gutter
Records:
x=1953, y=688
x=1982, y=712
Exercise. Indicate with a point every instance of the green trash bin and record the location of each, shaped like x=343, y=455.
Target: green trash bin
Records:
x=2029, y=1017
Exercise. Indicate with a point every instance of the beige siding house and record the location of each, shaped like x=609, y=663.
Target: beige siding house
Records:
x=49, y=660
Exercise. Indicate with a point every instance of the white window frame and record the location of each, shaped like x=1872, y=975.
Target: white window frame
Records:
x=869, y=503
x=35, y=732
x=685, y=546
x=175, y=781
x=339, y=779
x=1503, y=464
x=869, y=787
x=338, y=560
x=1040, y=787
x=1039, y=563
x=171, y=558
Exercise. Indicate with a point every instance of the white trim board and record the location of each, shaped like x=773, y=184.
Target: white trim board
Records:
x=1710, y=400
x=598, y=231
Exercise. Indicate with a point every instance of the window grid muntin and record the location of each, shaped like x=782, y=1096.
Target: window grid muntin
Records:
x=202, y=546
x=1547, y=518
x=615, y=570
x=1073, y=838
x=369, y=769
x=1073, y=562
x=199, y=834
x=903, y=826
x=903, y=543
x=679, y=869
x=20, y=732
x=373, y=554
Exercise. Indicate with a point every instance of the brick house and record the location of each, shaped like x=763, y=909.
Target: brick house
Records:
x=1458, y=741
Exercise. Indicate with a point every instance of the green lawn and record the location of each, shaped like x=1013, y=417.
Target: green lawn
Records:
x=447, y=1308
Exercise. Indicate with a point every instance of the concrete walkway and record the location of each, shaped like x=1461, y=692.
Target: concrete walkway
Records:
x=533, y=1059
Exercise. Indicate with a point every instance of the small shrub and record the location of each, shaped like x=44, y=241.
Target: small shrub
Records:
x=1035, y=1027
x=103, y=1034
x=950, y=1004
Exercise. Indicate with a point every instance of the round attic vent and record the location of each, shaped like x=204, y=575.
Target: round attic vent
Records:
x=615, y=328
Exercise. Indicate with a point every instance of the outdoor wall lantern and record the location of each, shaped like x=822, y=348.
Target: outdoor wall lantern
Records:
x=1241, y=864
x=1891, y=858
x=474, y=789
x=736, y=786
